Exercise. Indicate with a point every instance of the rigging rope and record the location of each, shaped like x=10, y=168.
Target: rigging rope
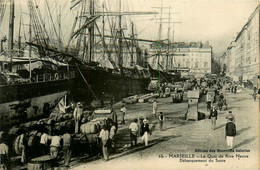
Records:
x=87, y=83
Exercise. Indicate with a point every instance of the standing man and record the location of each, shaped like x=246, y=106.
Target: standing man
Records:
x=123, y=110
x=44, y=143
x=67, y=142
x=213, y=116
x=230, y=133
x=154, y=108
x=161, y=119
x=112, y=134
x=254, y=95
x=104, y=135
x=133, y=133
x=24, y=147
x=55, y=146
x=4, y=155
x=144, y=131
x=112, y=102
x=77, y=116
x=114, y=117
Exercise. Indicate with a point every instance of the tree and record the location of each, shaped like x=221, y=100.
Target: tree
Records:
x=215, y=66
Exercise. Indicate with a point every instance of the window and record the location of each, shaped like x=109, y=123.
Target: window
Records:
x=196, y=65
x=205, y=64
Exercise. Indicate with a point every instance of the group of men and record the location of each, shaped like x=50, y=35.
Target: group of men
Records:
x=144, y=132
x=56, y=143
x=230, y=130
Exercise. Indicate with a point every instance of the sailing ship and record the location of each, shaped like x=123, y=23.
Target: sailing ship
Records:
x=114, y=66
x=30, y=86
x=161, y=58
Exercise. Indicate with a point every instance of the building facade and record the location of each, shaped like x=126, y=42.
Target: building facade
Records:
x=243, y=52
x=189, y=58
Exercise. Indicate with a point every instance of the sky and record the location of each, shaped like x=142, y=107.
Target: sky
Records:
x=216, y=21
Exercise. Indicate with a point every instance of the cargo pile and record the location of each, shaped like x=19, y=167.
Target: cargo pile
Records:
x=130, y=100
x=145, y=98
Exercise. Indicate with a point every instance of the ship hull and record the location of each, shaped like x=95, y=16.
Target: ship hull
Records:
x=23, y=102
x=104, y=85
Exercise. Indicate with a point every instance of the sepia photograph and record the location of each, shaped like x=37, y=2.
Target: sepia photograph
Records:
x=129, y=84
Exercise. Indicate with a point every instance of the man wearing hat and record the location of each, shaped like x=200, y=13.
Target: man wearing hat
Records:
x=77, y=116
x=144, y=131
x=230, y=115
x=213, y=116
x=230, y=132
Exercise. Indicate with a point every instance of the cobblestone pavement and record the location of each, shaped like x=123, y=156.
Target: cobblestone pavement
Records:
x=186, y=139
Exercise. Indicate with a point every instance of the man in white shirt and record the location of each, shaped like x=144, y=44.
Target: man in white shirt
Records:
x=133, y=132
x=154, y=108
x=44, y=143
x=112, y=134
x=77, y=116
x=104, y=135
x=123, y=110
x=55, y=145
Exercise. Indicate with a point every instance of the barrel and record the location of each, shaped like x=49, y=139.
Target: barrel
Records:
x=17, y=145
x=128, y=101
x=33, y=141
x=88, y=128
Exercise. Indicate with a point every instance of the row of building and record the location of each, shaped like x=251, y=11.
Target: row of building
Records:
x=188, y=58
x=241, y=59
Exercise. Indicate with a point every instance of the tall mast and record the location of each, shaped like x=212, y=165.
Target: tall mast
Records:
x=19, y=37
x=132, y=45
x=90, y=31
x=168, y=36
x=160, y=37
x=30, y=47
x=120, y=38
x=103, y=29
x=11, y=31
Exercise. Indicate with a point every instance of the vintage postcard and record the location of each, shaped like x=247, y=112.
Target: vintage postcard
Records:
x=129, y=84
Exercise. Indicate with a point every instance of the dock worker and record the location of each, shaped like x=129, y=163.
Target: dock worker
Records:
x=161, y=120
x=44, y=143
x=230, y=133
x=77, y=116
x=112, y=134
x=133, y=133
x=67, y=151
x=154, y=108
x=23, y=145
x=123, y=110
x=4, y=154
x=55, y=145
x=114, y=117
x=145, y=132
x=104, y=135
x=213, y=116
